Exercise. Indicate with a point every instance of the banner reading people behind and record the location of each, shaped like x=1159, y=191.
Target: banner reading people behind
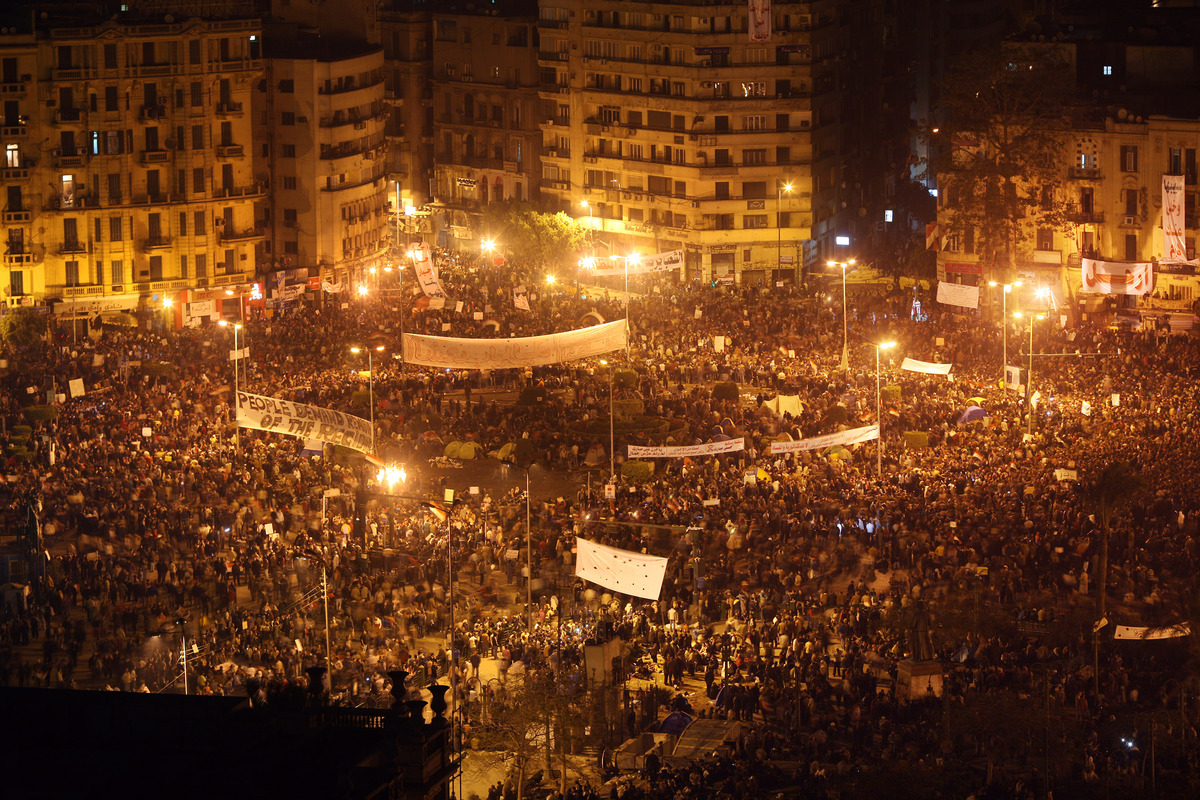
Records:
x=670, y=261
x=260, y=413
x=526, y=351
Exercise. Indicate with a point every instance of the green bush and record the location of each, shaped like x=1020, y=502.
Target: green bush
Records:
x=626, y=409
x=726, y=391
x=532, y=396
x=637, y=471
x=625, y=379
x=916, y=440
x=424, y=422
x=40, y=413
x=525, y=452
x=890, y=394
x=158, y=369
x=361, y=400
x=22, y=430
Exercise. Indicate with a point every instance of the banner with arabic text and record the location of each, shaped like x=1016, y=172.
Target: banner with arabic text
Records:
x=1145, y=634
x=759, y=24
x=958, y=294
x=687, y=451
x=527, y=351
x=423, y=265
x=304, y=421
x=928, y=367
x=659, y=262
x=1174, y=246
x=852, y=436
x=1116, y=277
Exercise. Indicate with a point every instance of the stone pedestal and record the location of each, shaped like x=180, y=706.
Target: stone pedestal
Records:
x=918, y=679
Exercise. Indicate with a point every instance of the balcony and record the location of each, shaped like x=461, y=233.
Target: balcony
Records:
x=153, y=70
x=156, y=156
x=80, y=290
x=252, y=190
x=229, y=109
x=16, y=217
x=72, y=248
x=226, y=151
x=153, y=112
x=72, y=73
x=10, y=174
x=1086, y=217
x=14, y=89
x=1084, y=173
x=232, y=235
x=65, y=116
x=156, y=242
x=18, y=259
x=14, y=131
x=69, y=159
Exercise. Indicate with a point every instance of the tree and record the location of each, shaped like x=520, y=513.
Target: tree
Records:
x=1111, y=489
x=898, y=250
x=543, y=237
x=1000, y=157
x=22, y=327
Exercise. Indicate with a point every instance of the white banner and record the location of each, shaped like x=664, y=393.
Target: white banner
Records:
x=528, y=351
x=1066, y=475
x=1116, y=277
x=852, y=436
x=760, y=21
x=332, y=288
x=75, y=386
x=1174, y=246
x=659, y=262
x=1145, y=634
x=956, y=294
x=685, y=451
x=1014, y=378
x=426, y=271
x=1085, y=408
x=307, y=422
x=928, y=367
x=521, y=298
x=622, y=571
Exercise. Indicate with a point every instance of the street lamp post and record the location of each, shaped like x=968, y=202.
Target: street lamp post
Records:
x=1029, y=372
x=237, y=354
x=370, y=389
x=1008, y=287
x=612, y=451
x=528, y=549
x=783, y=187
x=879, y=346
x=845, y=341
x=591, y=228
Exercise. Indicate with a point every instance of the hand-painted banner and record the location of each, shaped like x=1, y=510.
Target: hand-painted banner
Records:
x=1174, y=246
x=659, y=262
x=521, y=298
x=529, y=351
x=423, y=265
x=307, y=422
x=622, y=571
x=928, y=367
x=1116, y=277
x=852, y=436
x=759, y=22
x=1145, y=634
x=687, y=451
x=957, y=294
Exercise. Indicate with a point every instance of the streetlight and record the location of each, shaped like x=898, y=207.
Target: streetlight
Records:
x=362, y=290
x=528, y=548
x=879, y=346
x=487, y=246
x=1008, y=287
x=1029, y=374
x=370, y=388
x=612, y=452
x=591, y=227
x=845, y=342
x=237, y=354
x=783, y=187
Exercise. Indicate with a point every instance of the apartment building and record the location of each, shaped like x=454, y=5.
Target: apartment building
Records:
x=322, y=131
x=486, y=125
x=128, y=176
x=708, y=127
x=405, y=32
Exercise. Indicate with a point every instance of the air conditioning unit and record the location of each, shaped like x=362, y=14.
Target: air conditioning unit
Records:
x=1129, y=219
x=219, y=222
x=706, y=84
x=695, y=204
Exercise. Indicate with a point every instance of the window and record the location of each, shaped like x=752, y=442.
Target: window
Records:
x=1129, y=158
x=1106, y=69
x=753, y=122
x=610, y=115
x=197, y=94
x=197, y=137
x=754, y=189
x=287, y=86
x=198, y=179
x=198, y=223
x=113, y=143
x=114, y=229
x=1131, y=247
x=114, y=187
x=287, y=118
x=182, y=223
x=1175, y=161
x=289, y=182
x=289, y=151
x=111, y=99
x=99, y=227
x=16, y=283
x=201, y=265
x=183, y=267
x=72, y=270
x=117, y=271
x=754, y=221
x=289, y=217
x=291, y=248
x=756, y=156
x=754, y=88
x=1131, y=202
x=1045, y=239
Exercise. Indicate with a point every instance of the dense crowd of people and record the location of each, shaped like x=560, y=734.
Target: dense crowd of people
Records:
x=796, y=583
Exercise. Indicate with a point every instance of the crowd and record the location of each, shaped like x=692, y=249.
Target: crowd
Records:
x=796, y=583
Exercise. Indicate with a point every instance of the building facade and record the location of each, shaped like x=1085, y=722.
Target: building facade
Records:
x=405, y=33
x=129, y=175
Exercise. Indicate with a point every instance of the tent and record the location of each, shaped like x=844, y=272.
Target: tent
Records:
x=971, y=414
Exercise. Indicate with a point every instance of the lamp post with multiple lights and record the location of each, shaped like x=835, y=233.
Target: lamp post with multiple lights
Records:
x=845, y=342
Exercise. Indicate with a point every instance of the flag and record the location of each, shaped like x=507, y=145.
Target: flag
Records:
x=622, y=571
x=933, y=236
x=1033, y=401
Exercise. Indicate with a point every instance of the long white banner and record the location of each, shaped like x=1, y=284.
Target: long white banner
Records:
x=1115, y=277
x=307, y=422
x=686, y=451
x=957, y=294
x=426, y=271
x=852, y=436
x=1145, y=634
x=528, y=351
x=620, y=570
x=928, y=367
x=659, y=262
x=1174, y=246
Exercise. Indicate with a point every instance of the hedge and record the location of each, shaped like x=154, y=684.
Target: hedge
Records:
x=890, y=394
x=916, y=440
x=725, y=390
x=637, y=471
x=40, y=413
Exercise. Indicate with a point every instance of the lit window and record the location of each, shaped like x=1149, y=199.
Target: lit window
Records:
x=1107, y=69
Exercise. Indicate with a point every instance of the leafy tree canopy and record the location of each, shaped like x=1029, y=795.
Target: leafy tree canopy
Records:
x=520, y=228
x=22, y=327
